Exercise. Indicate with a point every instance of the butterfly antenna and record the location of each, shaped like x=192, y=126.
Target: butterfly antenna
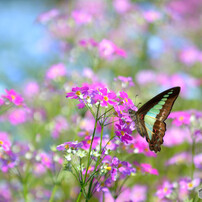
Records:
x=139, y=104
x=135, y=97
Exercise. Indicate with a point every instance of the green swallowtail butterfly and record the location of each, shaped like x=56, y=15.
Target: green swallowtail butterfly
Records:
x=149, y=119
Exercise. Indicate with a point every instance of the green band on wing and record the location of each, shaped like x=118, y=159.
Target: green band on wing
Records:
x=161, y=102
x=158, y=106
x=166, y=96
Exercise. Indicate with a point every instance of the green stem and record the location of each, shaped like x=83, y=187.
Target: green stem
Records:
x=79, y=196
x=88, y=163
x=53, y=193
x=193, y=154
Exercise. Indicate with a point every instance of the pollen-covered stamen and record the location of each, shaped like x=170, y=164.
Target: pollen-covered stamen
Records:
x=66, y=146
x=106, y=98
x=13, y=97
x=78, y=93
x=1, y=142
x=126, y=100
x=122, y=133
x=181, y=118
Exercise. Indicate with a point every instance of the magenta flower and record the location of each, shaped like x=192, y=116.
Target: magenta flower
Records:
x=56, y=71
x=125, y=99
x=105, y=97
x=81, y=17
x=5, y=141
x=71, y=145
x=18, y=116
x=46, y=160
x=1, y=101
x=123, y=131
x=78, y=92
x=188, y=184
x=147, y=168
x=165, y=190
x=108, y=49
x=13, y=97
x=180, y=117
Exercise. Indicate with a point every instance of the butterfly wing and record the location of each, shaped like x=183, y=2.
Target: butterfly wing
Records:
x=151, y=117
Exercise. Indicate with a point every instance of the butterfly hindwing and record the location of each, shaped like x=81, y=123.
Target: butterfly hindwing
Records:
x=151, y=116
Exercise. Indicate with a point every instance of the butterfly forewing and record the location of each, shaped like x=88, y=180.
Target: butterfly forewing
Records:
x=151, y=117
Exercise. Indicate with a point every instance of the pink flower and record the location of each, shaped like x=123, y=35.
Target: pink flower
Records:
x=13, y=97
x=1, y=101
x=4, y=141
x=105, y=97
x=175, y=136
x=67, y=145
x=147, y=168
x=31, y=89
x=145, y=77
x=126, y=81
x=122, y=6
x=189, y=56
x=151, y=16
x=198, y=161
x=56, y=71
x=165, y=190
x=60, y=124
x=17, y=116
x=81, y=17
x=108, y=49
x=180, y=117
x=183, y=157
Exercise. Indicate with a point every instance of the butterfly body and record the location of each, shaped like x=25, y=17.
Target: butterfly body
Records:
x=149, y=119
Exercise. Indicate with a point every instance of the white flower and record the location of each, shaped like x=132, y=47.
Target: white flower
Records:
x=69, y=150
x=95, y=153
x=68, y=157
x=81, y=153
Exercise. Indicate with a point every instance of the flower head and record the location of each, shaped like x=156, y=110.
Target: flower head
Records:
x=13, y=97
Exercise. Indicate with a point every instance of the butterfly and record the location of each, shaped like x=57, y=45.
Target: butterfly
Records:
x=149, y=119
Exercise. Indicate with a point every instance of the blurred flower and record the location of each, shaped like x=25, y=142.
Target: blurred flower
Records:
x=18, y=116
x=5, y=192
x=151, y=16
x=5, y=143
x=145, y=77
x=1, y=101
x=189, y=56
x=56, y=71
x=198, y=161
x=13, y=97
x=48, y=16
x=108, y=49
x=125, y=81
x=180, y=117
x=165, y=190
x=81, y=17
x=175, y=136
x=183, y=157
x=31, y=89
x=69, y=145
x=60, y=124
x=122, y=6
x=147, y=168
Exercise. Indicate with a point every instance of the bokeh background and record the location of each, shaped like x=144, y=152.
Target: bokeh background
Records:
x=158, y=44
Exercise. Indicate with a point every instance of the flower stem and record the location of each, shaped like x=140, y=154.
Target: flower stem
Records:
x=53, y=193
x=193, y=154
x=79, y=196
x=88, y=163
